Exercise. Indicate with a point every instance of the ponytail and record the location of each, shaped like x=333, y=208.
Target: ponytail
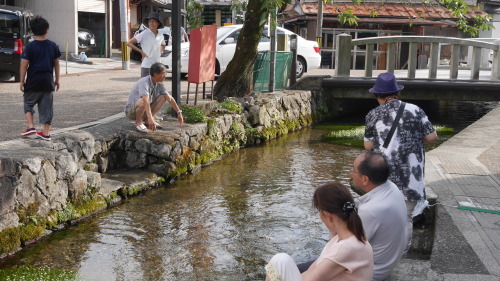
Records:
x=336, y=199
x=355, y=225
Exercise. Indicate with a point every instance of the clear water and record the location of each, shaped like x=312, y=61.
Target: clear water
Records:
x=222, y=223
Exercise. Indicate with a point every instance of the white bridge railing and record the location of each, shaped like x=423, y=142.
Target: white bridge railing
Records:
x=345, y=45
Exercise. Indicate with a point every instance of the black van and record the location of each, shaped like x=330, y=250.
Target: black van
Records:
x=14, y=35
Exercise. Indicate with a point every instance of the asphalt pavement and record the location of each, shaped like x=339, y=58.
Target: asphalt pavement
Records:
x=88, y=93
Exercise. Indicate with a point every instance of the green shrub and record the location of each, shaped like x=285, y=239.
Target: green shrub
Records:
x=231, y=106
x=191, y=114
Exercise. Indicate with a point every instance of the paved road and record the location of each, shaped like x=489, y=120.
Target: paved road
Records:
x=88, y=93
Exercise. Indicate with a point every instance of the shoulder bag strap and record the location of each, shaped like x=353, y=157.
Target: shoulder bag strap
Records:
x=394, y=124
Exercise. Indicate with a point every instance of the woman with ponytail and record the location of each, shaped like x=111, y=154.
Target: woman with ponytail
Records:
x=347, y=256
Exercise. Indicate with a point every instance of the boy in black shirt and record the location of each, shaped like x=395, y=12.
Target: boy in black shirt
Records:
x=40, y=59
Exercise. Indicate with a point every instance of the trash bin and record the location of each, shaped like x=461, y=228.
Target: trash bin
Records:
x=281, y=73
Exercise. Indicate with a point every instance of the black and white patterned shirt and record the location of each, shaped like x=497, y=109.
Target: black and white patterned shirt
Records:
x=405, y=152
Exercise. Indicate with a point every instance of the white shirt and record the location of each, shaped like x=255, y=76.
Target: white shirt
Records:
x=151, y=45
x=383, y=214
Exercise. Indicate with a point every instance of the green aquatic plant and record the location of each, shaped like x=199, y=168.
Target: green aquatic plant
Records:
x=345, y=135
x=353, y=135
x=37, y=274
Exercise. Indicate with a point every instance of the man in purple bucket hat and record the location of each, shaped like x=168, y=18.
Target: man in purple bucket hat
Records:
x=405, y=149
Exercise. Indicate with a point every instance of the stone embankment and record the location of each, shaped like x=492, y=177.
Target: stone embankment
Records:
x=47, y=185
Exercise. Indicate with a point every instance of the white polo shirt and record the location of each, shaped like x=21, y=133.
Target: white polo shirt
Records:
x=383, y=214
x=151, y=45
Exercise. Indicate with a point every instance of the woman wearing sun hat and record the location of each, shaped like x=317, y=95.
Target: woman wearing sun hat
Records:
x=152, y=42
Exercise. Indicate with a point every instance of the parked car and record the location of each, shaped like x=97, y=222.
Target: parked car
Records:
x=308, y=56
x=86, y=41
x=14, y=35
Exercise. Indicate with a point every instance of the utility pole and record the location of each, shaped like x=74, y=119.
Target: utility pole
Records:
x=272, y=59
x=124, y=20
x=176, y=52
x=319, y=24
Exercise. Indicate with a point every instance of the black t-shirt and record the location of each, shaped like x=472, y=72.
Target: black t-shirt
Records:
x=41, y=56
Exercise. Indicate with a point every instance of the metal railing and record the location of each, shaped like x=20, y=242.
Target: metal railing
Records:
x=345, y=45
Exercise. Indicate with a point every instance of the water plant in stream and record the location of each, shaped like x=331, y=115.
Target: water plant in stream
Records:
x=38, y=274
x=352, y=135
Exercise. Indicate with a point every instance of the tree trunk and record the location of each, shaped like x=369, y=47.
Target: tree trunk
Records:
x=237, y=78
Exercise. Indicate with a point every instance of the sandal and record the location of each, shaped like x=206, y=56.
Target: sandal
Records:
x=158, y=125
x=141, y=128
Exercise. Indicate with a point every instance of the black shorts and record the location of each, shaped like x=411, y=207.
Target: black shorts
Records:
x=45, y=101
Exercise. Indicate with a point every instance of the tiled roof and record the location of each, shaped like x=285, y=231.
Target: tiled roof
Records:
x=399, y=10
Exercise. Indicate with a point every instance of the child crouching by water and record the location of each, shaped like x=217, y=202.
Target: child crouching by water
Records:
x=347, y=256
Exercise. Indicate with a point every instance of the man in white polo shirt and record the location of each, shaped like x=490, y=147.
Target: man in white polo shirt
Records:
x=152, y=42
x=382, y=210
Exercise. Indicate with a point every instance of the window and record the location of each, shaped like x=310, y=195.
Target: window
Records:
x=9, y=24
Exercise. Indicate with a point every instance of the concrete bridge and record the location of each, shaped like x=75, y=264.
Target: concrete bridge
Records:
x=451, y=82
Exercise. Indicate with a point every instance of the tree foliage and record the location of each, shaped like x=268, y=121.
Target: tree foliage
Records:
x=195, y=15
x=237, y=78
x=458, y=8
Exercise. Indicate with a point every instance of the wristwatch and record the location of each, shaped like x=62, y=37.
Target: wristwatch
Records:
x=180, y=111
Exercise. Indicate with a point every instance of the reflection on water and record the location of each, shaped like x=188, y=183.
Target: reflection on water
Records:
x=220, y=224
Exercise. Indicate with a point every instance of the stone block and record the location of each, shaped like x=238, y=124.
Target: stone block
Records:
x=78, y=185
x=88, y=149
x=109, y=186
x=161, y=150
x=33, y=164
x=102, y=163
x=47, y=179
x=55, y=191
x=184, y=140
x=92, y=167
x=194, y=144
x=98, y=146
x=7, y=195
x=66, y=167
x=176, y=151
x=8, y=167
x=59, y=195
x=129, y=145
x=198, y=129
x=135, y=159
x=29, y=192
x=143, y=145
x=8, y=220
x=93, y=180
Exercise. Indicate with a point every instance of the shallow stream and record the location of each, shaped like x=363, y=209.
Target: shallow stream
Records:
x=222, y=223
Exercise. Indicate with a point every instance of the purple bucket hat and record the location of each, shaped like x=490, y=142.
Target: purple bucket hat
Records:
x=385, y=84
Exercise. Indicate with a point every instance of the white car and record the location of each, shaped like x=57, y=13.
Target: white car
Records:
x=308, y=53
